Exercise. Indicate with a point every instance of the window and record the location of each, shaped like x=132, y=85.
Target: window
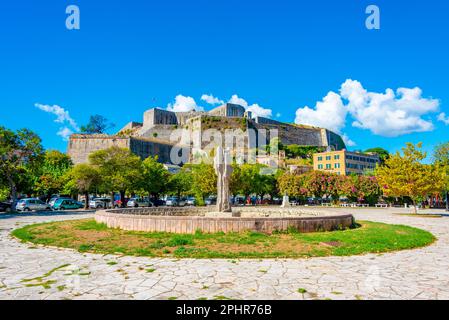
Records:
x=328, y=166
x=320, y=158
x=320, y=166
x=337, y=166
x=328, y=157
x=337, y=157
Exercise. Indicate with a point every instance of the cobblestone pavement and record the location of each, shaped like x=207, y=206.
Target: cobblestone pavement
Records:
x=28, y=272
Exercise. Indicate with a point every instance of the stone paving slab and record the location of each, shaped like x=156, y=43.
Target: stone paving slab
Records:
x=411, y=274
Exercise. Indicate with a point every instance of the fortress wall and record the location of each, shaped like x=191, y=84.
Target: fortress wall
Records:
x=183, y=117
x=158, y=131
x=228, y=110
x=80, y=146
x=289, y=134
x=159, y=116
x=262, y=120
x=334, y=140
x=145, y=149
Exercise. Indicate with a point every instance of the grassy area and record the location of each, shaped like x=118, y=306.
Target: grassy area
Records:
x=90, y=236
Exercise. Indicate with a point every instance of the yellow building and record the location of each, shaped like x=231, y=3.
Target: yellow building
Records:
x=344, y=162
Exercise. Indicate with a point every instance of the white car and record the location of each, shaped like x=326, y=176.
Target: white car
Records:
x=100, y=203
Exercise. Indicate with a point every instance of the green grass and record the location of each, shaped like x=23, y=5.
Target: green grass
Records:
x=89, y=236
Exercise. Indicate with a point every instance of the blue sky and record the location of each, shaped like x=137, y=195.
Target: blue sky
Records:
x=279, y=55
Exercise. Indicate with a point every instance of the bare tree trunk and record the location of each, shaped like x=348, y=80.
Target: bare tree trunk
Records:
x=415, y=210
x=86, y=204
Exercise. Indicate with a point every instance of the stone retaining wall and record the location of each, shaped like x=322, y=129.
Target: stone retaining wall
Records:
x=184, y=222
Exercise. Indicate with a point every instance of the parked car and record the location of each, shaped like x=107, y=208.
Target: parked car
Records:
x=139, y=202
x=32, y=204
x=100, y=203
x=210, y=201
x=54, y=199
x=158, y=202
x=175, y=202
x=67, y=204
x=5, y=206
x=190, y=201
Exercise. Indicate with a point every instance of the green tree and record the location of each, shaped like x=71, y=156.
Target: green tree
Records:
x=181, y=182
x=249, y=179
x=404, y=175
x=154, y=178
x=97, y=125
x=119, y=168
x=204, y=181
x=84, y=179
x=52, y=171
x=21, y=153
x=441, y=159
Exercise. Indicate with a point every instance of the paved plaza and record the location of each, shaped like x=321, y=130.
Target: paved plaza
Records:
x=30, y=272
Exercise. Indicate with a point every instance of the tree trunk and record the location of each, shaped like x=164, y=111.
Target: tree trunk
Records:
x=415, y=211
x=86, y=197
x=122, y=199
x=112, y=200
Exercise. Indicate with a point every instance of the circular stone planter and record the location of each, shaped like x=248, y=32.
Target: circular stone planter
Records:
x=189, y=220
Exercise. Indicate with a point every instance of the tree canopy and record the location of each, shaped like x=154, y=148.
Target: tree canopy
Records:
x=21, y=154
x=406, y=175
x=97, y=125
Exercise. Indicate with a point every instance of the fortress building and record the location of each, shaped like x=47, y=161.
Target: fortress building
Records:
x=161, y=131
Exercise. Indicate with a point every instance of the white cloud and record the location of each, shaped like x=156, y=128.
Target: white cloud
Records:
x=65, y=133
x=388, y=114
x=256, y=109
x=184, y=104
x=259, y=111
x=63, y=117
x=236, y=100
x=443, y=118
x=210, y=99
x=329, y=113
x=348, y=142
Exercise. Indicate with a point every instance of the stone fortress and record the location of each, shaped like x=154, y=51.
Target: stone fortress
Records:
x=163, y=130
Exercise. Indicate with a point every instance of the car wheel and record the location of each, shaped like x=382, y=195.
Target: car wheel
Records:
x=26, y=210
x=62, y=208
x=48, y=209
x=98, y=207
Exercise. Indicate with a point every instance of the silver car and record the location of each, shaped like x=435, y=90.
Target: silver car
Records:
x=175, y=202
x=137, y=202
x=32, y=204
